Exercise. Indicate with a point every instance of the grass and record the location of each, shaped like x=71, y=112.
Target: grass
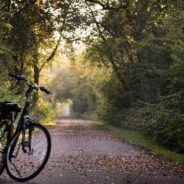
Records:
x=142, y=140
x=49, y=123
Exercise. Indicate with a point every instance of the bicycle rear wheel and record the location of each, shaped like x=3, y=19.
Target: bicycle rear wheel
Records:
x=3, y=143
x=28, y=152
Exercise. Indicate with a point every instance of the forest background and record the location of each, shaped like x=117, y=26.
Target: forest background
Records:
x=117, y=61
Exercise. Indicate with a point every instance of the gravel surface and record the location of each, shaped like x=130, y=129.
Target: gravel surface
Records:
x=85, y=154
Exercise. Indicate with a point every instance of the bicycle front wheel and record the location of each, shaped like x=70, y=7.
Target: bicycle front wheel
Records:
x=28, y=152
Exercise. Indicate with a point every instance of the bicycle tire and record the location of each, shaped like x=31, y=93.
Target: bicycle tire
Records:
x=3, y=142
x=9, y=156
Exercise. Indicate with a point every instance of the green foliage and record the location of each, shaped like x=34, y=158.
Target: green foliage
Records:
x=7, y=95
x=26, y=41
x=144, y=46
x=168, y=123
x=77, y=82
x=44, y=112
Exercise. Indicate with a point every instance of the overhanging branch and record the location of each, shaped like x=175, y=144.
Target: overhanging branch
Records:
x=55, y=49
x=110, y=54
x=51, y=56
x=106, y=6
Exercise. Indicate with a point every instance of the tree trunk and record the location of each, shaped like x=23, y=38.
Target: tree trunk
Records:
x=36, y=80
x=36, y=72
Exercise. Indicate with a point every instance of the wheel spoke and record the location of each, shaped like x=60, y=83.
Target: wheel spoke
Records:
x=16, y=169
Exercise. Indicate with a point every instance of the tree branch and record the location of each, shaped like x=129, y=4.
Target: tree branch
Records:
x=54, y=51
x=109, y=54
x=51, y=56
x=106, y=6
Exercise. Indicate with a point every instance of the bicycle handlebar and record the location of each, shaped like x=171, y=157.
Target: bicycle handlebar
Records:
x=34, y=86
x=18, y=77
x=43, y=88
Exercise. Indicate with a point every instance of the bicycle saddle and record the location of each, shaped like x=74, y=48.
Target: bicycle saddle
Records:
x=7, y=107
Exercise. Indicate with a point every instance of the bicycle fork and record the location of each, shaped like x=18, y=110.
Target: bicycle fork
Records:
x=27, y=141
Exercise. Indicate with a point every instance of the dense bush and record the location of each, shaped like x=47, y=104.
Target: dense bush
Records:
x=44, y=112
x=168, y=129
x=151, y=101
x=162, y=121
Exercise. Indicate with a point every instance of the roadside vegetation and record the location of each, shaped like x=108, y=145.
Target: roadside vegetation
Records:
x=144, y=141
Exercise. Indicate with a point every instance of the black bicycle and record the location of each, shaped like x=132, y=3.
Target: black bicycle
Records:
x=24, y=150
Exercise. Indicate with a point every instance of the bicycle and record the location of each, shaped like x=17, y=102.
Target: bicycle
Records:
x=25, y=151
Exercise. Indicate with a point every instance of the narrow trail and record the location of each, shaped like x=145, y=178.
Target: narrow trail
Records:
x=83, y=154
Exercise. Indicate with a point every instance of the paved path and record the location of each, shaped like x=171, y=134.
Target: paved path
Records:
x=85, y=154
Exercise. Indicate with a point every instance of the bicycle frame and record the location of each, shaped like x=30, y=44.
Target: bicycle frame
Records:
x=25, y=112
x=26, y=108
